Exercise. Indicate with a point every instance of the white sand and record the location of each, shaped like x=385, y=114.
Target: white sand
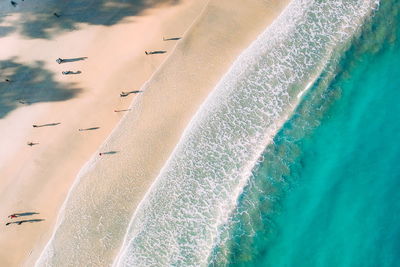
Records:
x=113, y=185
x=38, y=178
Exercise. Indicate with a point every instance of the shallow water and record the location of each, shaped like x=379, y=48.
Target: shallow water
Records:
x=182, y=217
x=321, y=192
x=325, y=193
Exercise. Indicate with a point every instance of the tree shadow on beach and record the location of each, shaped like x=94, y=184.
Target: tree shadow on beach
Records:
x=29, y=84
x=44, y=19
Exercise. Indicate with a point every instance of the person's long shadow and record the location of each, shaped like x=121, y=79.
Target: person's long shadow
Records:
x=172, y=39
x=30, y=84
x=155, y=52
x=67, y=60
x=112, y=152
x=37, y=19
x=69, y=72
x=46, y=125
x=123, y=94
x=25, y=221
x=25, y=214
x=88, y=129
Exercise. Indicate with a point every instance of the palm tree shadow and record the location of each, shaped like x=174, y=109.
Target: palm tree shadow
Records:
x=38, y=18
x=32, y=83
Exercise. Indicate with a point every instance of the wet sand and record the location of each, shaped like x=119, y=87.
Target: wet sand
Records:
x=111, y=186
x=38, y=178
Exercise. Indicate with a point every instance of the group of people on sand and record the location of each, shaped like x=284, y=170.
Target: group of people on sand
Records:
x=59, y=61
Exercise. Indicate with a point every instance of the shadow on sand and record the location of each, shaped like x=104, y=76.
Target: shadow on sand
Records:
x=47, y=18
x=122, y=110
x=30, y=84
x=68, y=60
x=25, y=221
x=172, y=39
x=46, y=125
x=69, y=72
x=123, y=94
x=24, y=214
x=155, y=52
x=108, y=153
x=88, y=129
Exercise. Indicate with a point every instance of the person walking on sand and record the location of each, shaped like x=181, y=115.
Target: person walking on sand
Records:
x=14, y=4
x=32, y=144
x=57, y=15
x=12, y=216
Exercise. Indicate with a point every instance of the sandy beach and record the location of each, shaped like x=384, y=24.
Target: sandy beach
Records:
x=111, y=59
x=37, y=178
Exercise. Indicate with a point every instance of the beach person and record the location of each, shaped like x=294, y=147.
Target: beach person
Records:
x=57, y=15
x=32, y=144
x=8, y=80
x=34, y=126
x=14, y=4
x=147, y=53
x=100, y=154
x=59, y=60
x=12, y=216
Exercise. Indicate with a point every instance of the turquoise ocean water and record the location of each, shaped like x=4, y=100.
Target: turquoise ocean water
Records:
x=326, y=192
x=291, y=160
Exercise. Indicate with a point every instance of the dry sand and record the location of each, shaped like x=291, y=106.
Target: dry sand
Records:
x=38, y=178
x=112, y=185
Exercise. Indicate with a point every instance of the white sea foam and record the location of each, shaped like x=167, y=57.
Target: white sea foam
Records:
x=177, y=222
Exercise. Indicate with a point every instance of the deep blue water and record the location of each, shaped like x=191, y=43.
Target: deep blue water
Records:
x=326, y=193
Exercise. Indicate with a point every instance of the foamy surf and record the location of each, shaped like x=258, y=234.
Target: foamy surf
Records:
x=177, y=222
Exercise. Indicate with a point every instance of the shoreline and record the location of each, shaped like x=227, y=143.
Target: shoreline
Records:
x=145, y=138
x=176, y=83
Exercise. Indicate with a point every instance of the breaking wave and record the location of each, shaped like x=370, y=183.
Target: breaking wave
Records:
x=177, y=223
